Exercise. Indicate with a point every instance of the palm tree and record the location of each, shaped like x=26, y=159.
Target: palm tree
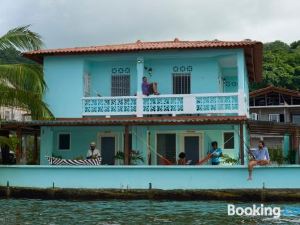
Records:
x=22, y=85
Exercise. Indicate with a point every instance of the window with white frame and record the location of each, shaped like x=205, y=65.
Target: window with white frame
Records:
x=64, y=141
x=7, y=115
x=274, y=117
x=120, y=85
x=181, y=83
x=87, y=85
x=228, y=138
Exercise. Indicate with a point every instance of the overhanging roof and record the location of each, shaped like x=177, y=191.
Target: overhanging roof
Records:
x=272, y=89
x=164, y=120
x=252, y=49
x=269, y=127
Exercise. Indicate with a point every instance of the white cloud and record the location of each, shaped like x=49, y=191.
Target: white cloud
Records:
x=67, y=23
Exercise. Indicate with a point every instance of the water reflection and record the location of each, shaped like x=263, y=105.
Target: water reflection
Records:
x=26, y=211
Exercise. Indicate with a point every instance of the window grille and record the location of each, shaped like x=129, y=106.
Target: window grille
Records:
x=120, y=85
x=87, y=85
x=181, y=83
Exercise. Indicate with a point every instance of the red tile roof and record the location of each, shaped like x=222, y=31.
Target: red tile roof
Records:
x=253, y=50
x=163, y=120
x=271, y=89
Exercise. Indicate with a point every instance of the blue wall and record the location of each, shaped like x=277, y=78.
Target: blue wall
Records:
x=139, y=177
x=64, y=78
x=82, y=136
x=64, y=74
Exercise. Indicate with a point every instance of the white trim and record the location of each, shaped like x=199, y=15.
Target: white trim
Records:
x=275, y=106
x=189, y=104
x=274, y=114
x=200, y=135
x=59, y=133
x=179, y=137
x=265, y=135
x=223, y=141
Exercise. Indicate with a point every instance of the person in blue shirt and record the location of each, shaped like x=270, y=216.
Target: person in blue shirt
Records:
x=215, y=152
x=260, y=157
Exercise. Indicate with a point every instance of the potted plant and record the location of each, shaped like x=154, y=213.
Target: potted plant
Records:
x=276, y=156
x=135, y=157
x=227, y=160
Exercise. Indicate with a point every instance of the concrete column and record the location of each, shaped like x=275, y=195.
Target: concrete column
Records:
x=241, y=82
x=126, y=144
x=242, y=143
x=139, y=94
x=140, y=74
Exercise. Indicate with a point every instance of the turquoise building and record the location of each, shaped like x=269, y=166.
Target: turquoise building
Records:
x=95, y=94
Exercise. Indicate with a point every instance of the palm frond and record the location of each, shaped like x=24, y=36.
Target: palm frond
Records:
x=26, y=100
x=21, y=38
x=5, y=141
x=27, y=77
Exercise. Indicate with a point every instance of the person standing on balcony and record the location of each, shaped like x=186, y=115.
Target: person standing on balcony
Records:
x=93, y=153
x=149, y=88
x=215, y=153
x=260, y=157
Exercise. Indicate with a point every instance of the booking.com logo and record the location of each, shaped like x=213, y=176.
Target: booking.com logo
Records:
x=255, y=210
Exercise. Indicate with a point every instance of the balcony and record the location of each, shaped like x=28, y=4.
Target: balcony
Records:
x=208, y=103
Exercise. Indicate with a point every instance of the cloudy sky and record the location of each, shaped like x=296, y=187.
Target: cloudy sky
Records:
x=68, y=23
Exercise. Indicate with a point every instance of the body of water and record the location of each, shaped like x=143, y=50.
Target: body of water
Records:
x=54, y=212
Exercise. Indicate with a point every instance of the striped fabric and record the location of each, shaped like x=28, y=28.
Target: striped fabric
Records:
x=71, y=162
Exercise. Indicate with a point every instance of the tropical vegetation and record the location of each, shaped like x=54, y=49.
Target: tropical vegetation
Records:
x=281, y=65
x=22, y=84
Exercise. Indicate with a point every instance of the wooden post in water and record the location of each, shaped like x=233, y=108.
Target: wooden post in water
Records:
x=126, y=144
x=242, y=144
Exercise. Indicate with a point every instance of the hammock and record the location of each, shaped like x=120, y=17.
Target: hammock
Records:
x=71, y=162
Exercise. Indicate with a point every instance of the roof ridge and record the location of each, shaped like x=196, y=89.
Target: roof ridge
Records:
x=140, y=43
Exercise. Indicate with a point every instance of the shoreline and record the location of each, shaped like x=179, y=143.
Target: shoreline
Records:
x=243, y=195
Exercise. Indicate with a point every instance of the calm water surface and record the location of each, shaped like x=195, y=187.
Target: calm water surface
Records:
x=26, y=211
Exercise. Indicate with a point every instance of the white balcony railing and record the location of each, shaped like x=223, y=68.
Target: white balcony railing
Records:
x=221, y=103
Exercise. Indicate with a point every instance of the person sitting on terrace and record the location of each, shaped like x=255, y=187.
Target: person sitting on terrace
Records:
x=149, y=88
x=215, y=153
x=181, y=160
x=260, y=157
x=93, y=153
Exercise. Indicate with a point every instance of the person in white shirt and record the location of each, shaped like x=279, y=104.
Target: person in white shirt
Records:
x=93, y=153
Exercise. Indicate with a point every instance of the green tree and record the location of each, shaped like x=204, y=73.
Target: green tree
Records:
x=281, y=65
x=22, y=84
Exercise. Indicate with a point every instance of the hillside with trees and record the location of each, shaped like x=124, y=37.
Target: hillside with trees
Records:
x=281, y=65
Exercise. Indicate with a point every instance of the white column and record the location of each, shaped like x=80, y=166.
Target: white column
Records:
x=139, y=94
x=189, y=104
x=241, y=82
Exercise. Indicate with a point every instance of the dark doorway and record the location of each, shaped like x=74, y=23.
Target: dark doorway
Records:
x=191, y=148
x=108, y=146
x=166, y=146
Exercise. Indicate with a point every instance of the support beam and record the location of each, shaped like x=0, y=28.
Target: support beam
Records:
x=139, y=94
x=35, y=150
x=242, y=143
x=126, y=145
x=19, y=145
x=4, y=148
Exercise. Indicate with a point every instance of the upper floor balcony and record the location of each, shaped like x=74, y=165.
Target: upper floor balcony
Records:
x=217, y=103
x=190, y=85
x=193, y=77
